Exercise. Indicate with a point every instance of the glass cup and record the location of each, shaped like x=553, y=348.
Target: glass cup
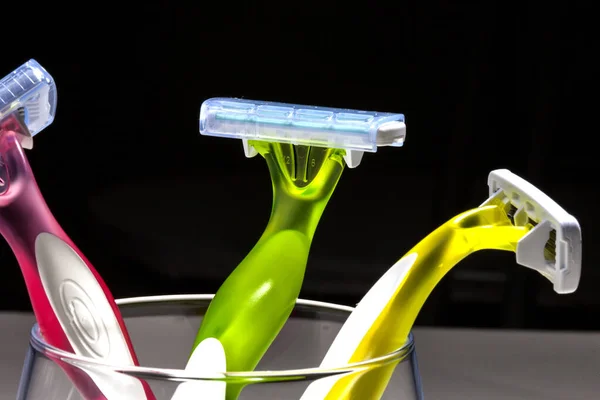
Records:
x=163, y=328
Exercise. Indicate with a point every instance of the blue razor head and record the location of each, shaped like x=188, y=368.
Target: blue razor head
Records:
x=31, y=91
x=301, y=125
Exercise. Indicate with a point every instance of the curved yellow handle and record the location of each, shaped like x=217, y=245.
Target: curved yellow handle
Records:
x=486, y=227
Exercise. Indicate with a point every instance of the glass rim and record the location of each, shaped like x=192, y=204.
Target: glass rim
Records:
x=39, y=344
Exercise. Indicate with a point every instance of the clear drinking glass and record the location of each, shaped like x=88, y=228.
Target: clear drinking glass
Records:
x=163, y=328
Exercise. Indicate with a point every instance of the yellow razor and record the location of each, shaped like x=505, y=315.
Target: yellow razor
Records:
x=516, y=217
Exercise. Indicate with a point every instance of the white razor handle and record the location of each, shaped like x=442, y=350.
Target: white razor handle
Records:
x=531, y=203
x=208, y=358
x=358, y=325
x=85, y=315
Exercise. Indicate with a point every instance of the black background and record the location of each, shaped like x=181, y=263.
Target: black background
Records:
x=159, y=209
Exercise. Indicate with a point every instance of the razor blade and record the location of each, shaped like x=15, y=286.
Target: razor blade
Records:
x=352, y=130
x=31, y=93
x=553, y=246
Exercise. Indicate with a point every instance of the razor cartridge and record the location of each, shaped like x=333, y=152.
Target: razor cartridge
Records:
x=352, y=130
x=553, y=246
x=30, y=91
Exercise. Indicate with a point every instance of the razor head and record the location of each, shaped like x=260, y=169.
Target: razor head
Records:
x=553, y=246
x=352, y=130
x=30, y=92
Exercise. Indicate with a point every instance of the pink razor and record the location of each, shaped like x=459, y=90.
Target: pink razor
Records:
x=74, y=309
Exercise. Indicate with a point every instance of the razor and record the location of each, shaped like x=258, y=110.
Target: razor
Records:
x=305, y=148
x=516, y=217
x=73, y=306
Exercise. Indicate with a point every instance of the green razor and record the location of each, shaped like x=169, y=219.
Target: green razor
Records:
x=305, y=148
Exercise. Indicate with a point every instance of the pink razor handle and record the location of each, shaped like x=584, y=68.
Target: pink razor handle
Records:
x=73, y=306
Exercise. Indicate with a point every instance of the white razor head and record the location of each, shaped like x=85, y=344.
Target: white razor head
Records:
x=30, y=91
x=352, y=130
x=553, y=246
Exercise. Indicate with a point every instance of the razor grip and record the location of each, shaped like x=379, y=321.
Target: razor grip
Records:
x=27, y=224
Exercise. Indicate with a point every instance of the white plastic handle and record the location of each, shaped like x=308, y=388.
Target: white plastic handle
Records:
x=208, y=357
x=85, y=315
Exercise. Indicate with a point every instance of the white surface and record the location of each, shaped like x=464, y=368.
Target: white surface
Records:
x=84, y=313
x=455, y=364
x=209, y=356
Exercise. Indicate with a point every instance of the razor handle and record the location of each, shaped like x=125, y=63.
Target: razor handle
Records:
x=73, y=306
